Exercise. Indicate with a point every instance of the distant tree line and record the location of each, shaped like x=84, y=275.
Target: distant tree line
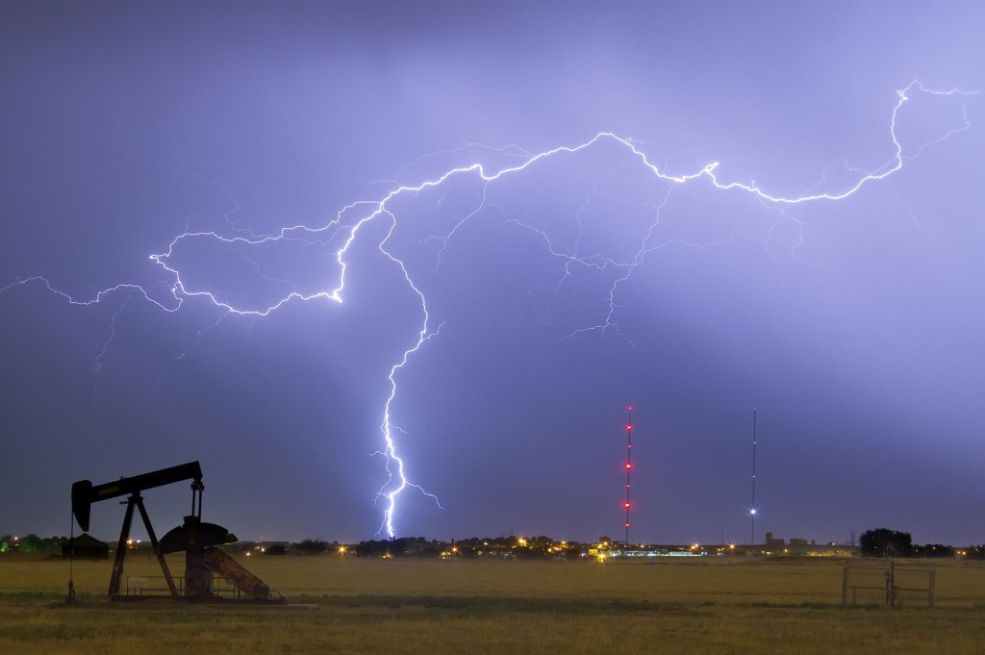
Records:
x=31, y=543
x=883, y=542
x=518, y=547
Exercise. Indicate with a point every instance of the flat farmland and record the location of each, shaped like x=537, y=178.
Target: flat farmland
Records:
x=360, y=605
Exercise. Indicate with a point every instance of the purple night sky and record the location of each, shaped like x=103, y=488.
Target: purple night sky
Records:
x=855, y=326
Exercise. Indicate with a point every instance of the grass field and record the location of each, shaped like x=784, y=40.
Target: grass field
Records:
x=431, y=606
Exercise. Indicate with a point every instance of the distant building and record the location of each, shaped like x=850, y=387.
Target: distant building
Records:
x=773, y=542
x=85, y=547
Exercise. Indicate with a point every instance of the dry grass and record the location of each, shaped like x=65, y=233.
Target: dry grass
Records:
x=428, y=606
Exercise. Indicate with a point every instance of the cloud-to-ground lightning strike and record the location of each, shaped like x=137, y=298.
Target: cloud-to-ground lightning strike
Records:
x=397, y=478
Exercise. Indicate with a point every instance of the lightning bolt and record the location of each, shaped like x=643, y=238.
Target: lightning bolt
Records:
x=387, y=426
x=368, y=211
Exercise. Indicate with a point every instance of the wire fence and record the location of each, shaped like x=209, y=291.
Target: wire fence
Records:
x=886, y=583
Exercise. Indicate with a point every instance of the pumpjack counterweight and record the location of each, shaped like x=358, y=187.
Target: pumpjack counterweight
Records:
x=200, y=541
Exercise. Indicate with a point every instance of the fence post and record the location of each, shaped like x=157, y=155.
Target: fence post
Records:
x=844, y=586
x=891, y=584
x=887, y=575
x=892, y=577
x=933, y=588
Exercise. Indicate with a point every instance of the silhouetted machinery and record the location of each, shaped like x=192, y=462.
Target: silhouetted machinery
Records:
x=200, y=541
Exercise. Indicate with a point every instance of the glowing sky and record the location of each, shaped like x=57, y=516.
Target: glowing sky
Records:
x=854, y=326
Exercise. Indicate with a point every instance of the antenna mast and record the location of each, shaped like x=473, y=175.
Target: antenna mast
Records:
x=752, y=510
x=629, y=465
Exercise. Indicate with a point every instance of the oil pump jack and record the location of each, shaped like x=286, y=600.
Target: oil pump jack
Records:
x=199, y=540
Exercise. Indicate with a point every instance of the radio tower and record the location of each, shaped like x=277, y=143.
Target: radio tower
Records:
x=629, y=465
x=752, y=510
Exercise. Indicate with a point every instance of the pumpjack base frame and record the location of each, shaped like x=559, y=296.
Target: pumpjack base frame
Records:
x=215, y=600
x=129, y=603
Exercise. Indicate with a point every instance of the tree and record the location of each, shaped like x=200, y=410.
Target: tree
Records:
x=373, y=547
x=935, y=550
x=32, y=543
x=883, y=542
x=311, y=547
